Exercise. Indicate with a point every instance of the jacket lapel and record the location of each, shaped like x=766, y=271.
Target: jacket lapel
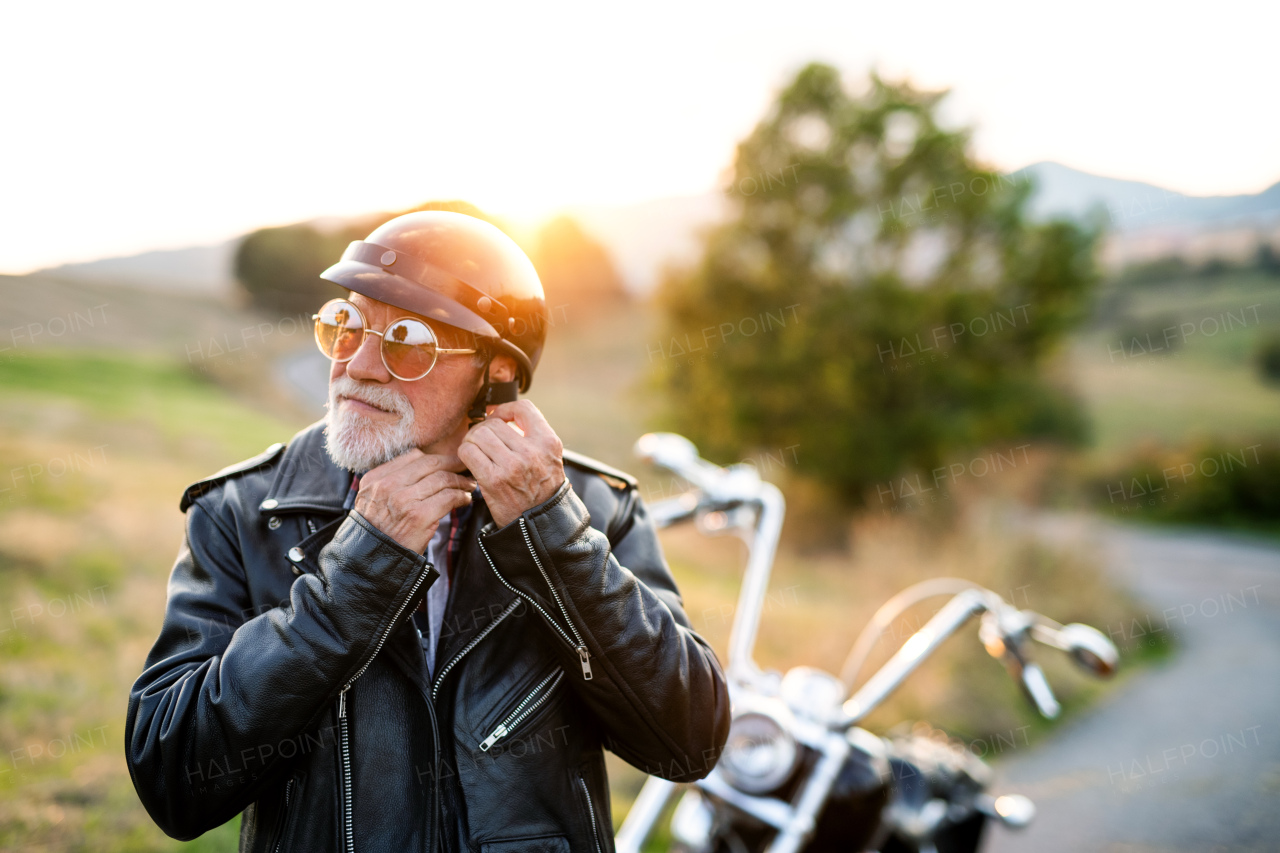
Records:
x=307, y=480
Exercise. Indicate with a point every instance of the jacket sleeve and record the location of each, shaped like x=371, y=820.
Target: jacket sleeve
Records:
x=653, y=683
x=223, y=685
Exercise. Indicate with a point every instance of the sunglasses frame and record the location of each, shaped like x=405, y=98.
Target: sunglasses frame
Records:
x=382, y=351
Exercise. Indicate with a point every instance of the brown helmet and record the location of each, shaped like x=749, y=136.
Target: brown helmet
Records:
x=459, y=270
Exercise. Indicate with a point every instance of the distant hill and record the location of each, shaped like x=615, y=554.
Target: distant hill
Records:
x=1132, y=205
x=47, y=310
x=1145, y=220
x=195, y=271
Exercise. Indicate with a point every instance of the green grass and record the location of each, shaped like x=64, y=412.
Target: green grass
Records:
x=95, y=449
x=165, y=406
x=1206, y=385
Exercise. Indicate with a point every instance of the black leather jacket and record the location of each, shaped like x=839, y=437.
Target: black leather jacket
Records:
x=287, y=682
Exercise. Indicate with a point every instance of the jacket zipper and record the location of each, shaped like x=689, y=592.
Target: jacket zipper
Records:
x=591, y=811
x=390, y=626
x=523, y=710
x=284, y=818
x=348, y=836
x=583, y=655
x=471, y=645
x=576, y=639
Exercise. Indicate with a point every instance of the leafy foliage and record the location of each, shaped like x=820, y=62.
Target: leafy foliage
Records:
x=1267, y=358
x=279, y=268
x=1208, y=481
x=921, y=308
x=1159, y=271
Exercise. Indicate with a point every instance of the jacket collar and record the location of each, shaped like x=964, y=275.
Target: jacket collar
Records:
x=307, y=479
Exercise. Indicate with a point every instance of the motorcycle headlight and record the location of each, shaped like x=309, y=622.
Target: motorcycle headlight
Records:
x=812, y=693
x=759, y=755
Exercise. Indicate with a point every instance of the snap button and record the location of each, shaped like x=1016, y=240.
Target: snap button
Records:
x=296, y=570
x=273, y=522
x=388, y=258
x=269, y=503
x=297, y=554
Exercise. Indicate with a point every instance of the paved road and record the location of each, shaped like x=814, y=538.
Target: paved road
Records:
x=1185, y=756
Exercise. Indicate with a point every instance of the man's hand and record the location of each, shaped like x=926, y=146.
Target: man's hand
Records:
x=517, y=468
x=406, y=497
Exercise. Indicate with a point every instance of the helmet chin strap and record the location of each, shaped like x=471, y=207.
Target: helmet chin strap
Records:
x=491, y=394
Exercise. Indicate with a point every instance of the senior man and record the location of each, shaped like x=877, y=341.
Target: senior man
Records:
x=417, y=626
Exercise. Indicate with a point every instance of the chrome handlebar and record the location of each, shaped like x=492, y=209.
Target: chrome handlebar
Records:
x=1005, y=630
x=737, y=500
x=751, y=507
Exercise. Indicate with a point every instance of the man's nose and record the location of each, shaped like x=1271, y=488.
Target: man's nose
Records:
x=367, y=364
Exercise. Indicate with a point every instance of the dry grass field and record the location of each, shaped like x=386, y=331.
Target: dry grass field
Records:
x=100, y=432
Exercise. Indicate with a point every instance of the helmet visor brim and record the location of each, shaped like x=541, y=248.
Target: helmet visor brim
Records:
x=376, y=283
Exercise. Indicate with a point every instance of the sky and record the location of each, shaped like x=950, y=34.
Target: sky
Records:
x=129, y=126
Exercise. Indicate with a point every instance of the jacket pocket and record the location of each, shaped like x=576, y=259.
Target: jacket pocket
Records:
x=541, y=844
x=594, y=820
x=528, y=704
x=287, y=814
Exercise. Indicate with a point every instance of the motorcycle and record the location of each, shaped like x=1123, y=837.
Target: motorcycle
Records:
x=797, y=773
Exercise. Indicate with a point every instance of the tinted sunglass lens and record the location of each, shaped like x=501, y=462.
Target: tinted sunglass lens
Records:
x=339, y=330
x=409, y=349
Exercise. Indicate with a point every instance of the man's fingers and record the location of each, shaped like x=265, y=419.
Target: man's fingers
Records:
x=438, y=481
x=525, y=415
x=445, y=501
x=428, y=464
x=391, y=466
x=476, y=461
x=493, y=447
x=444, y=462
x=423, y=521
x=437, y=494
x=413, y=466
x=502, y=430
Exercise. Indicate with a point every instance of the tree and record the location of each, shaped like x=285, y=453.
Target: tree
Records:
x=280, y=267
x=879, y=301
x=574, y=267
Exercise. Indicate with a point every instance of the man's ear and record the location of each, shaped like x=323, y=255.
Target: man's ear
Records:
x=502, y=368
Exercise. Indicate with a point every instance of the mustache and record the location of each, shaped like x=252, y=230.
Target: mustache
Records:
x=375, y=395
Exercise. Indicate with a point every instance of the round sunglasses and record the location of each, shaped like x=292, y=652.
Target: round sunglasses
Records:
x=409, y=346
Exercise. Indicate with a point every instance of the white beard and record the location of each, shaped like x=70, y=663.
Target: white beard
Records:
x=356, y=442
